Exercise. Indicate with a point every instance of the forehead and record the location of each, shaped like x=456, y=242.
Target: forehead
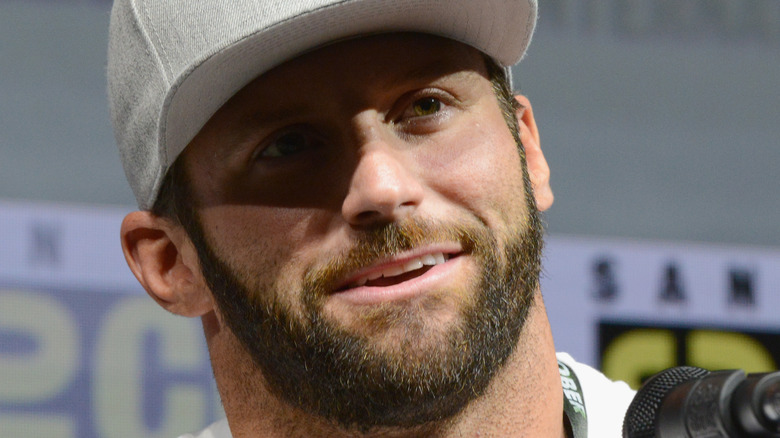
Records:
x=368, y=61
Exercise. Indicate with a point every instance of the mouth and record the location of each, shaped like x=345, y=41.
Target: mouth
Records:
x=397, y=271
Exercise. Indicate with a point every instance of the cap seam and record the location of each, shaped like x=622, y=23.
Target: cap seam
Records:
x=161, y=60
x=529, y=23
x=156, y=48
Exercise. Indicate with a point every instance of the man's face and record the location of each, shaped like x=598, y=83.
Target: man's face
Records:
x=366, y=230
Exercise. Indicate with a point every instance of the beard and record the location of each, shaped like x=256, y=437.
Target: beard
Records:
x=321, y=367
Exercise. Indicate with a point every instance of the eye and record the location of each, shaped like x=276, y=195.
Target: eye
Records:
x=287, y=144
x=426, y=106
x=424, y=109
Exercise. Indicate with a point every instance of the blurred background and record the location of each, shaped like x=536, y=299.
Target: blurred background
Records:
x=660, y=121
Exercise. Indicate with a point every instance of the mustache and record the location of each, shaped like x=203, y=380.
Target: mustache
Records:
x=388, y=240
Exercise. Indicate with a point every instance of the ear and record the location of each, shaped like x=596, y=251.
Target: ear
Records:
x=538, y=169
x=165, y=262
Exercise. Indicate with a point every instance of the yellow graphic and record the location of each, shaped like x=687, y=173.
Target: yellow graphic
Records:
x=641, y=352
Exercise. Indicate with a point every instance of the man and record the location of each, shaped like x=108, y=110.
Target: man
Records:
x=347, y=194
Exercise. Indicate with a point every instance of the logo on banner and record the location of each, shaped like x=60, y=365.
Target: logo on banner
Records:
x=739, y=283
x=634, y=352
x=741, y=290
x=605, y=284
x=45, y=244
x=672, y=287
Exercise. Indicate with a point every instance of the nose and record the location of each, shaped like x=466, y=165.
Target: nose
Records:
x=383, y=188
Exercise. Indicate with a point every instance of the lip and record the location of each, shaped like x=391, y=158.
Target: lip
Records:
x=433, y=278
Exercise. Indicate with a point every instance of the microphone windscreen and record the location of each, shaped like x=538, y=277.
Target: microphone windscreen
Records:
x=640, y=419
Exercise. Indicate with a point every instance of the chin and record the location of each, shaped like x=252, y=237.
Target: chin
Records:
x=418, y=318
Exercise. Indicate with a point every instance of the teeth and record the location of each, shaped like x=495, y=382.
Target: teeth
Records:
x=428, y=260
x=392, y=272
x=411, y=265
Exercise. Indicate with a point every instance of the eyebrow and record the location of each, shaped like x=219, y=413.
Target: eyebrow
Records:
x=263, y=116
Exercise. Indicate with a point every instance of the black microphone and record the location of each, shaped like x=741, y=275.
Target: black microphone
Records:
x=685, y=402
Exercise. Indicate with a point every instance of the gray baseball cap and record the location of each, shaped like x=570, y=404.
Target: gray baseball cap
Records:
x=173, y=63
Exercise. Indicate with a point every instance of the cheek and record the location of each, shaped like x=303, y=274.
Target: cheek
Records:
x=263, y=245
x=479, y=168
x=239, y=231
